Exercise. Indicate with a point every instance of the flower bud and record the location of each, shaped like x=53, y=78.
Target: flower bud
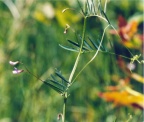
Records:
x=59, y=116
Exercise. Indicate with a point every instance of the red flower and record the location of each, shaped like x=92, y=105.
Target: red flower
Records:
x=128, y=32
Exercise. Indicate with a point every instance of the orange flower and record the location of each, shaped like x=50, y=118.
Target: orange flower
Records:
x=126, y=97
x=128, y=32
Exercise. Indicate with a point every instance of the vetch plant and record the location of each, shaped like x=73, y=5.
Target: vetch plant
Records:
x=15, y=71
x=84, y=44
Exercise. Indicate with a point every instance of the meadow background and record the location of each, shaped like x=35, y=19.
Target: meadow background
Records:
x=31, y=31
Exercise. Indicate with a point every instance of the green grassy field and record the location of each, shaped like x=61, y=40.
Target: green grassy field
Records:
x=31, y=31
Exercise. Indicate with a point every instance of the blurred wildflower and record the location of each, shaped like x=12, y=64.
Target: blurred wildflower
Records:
x=17, y=71
x=48, y=10
x=122, y=94
x=121, y=84
x=137, y=77
x=44, y=13
x=128, y=32
x=131, y=66
x=13, y=63
x=125, y=68
x=125, y=97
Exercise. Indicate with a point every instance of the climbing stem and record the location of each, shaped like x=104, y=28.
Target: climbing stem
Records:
x=80, y=50
x=64, y=107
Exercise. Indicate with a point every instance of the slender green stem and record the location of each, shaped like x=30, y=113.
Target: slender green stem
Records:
x=74, y=68
x=80, y=51
x=110, y=53
x=32, y=73
x=94, y=54
x=65, y=95
x=64, y=107
x=105, y=6
x=99, y=16
x=71, y=9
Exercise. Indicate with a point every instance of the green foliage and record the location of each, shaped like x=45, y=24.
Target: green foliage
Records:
x=34, y=37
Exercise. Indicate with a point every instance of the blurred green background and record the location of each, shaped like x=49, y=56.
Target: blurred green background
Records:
x=31, y=31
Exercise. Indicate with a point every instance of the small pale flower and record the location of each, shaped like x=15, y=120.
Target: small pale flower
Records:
x=17, y=71
x=131, y=66
x=13, y=63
